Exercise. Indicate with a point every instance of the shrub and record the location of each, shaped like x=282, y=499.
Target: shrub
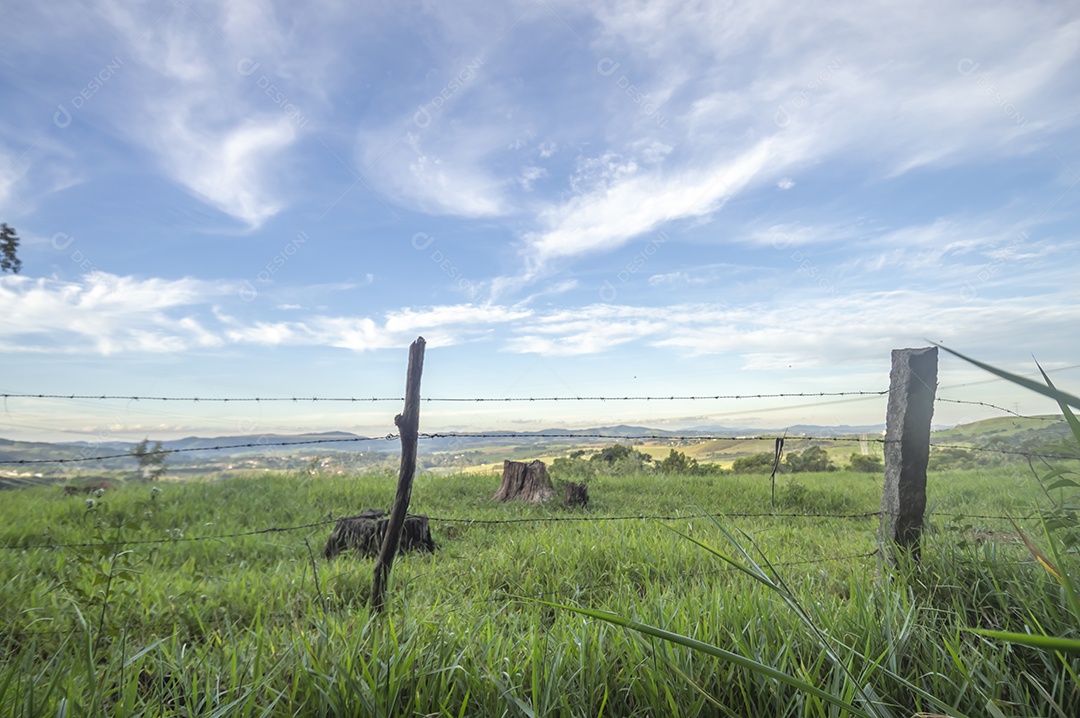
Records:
x=866, y=464
x=756, y=463
x=678, y=463
x=813, y=459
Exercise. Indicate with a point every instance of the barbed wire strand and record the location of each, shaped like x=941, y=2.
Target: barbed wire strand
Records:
x=353, y=399
x=490, y=522
x=1001, y=408
x=326, y=522
x=539, y=435
x=255, y=444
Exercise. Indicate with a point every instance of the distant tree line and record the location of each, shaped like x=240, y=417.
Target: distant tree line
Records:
x=813, y=459
x=624, y=460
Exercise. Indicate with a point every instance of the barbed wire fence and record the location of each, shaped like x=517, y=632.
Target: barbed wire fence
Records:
x=16, y=546
x=26, y=546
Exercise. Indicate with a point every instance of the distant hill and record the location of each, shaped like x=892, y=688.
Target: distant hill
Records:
x=38, y=450
x=1015, y=431
x=1026, y=432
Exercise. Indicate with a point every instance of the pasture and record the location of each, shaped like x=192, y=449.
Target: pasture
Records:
x=166, y=610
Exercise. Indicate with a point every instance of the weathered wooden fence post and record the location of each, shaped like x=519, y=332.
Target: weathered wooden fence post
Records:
x=408, y=423
x=912, y=387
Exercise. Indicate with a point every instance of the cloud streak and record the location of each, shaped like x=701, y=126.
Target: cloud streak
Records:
x=107, y=314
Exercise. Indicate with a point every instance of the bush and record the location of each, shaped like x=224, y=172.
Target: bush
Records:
x=951, y=458
x=678, y=463
x=756, y=463
x=813, y=459
x=614, y=460
x=621, y=460
x=572, y=468
x=620, y=453
x=866, y=464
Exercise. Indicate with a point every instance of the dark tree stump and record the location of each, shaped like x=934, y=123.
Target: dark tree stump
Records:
x=364, y=534
x=525, y=482
x=575, y=495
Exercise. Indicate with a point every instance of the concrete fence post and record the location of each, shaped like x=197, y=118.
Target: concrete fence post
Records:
x=912, y=387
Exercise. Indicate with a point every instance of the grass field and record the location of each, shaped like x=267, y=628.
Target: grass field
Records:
x=236, y=626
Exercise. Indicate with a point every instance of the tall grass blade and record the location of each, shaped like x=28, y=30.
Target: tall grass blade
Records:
x=1035, y=640
x=1055, y=394
x=1070, y=417
x=716, y=652
x=1039, y=555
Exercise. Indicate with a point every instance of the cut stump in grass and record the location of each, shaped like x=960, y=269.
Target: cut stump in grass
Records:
x=365, y=531
x=525, y=482
x=575, y=495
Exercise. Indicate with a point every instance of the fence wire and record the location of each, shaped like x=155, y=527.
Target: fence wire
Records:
x=376, y=399
x=10, y=546
x=528, y=436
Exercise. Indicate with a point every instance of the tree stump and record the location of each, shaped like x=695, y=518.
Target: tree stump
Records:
x=575, y=495
x=525, y=482
x=364, y=534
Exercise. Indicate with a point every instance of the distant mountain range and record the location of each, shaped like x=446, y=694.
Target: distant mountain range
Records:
x=189, y=447
x=253, y=444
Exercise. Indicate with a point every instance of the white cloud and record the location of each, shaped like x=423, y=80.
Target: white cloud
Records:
x=435, y=173
x=530, y=174
x=753, y=94
x=440, y=326
x=230, y=169
x=191, y=93
x=624, y=203
x=104, y=314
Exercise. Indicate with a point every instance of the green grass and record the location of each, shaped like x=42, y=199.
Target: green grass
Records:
x=236, y=626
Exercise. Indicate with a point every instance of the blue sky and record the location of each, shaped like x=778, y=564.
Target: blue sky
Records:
x=274, y=199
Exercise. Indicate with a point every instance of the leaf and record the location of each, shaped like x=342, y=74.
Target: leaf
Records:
x=1054, y=393
x=1039, y=555
x=1035, y=640
x=1070, y=417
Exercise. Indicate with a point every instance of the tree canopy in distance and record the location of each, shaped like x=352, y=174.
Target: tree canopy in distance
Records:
x=9, y=245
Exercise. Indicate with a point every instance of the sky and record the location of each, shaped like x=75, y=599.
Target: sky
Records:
x=271, y=199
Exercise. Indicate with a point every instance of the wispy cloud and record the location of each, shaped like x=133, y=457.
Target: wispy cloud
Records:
x=633, y=203
x=106, y=314
x=803, y=98
x=439, y=173
x=218, y=119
